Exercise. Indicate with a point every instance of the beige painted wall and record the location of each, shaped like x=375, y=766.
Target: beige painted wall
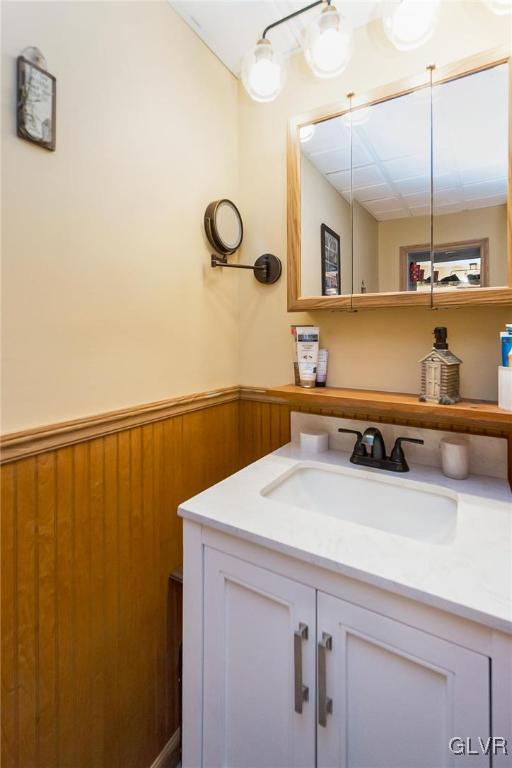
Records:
x=322, y=204
x=482, y=222
x=366, y=250
x=108, y=298
x=371, y=348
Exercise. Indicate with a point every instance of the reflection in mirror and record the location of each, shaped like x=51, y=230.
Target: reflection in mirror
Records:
x=392, y=185
x=223, y=226
x=470, y=180
x=229, y=225
x=326, y=211
x=390, y=200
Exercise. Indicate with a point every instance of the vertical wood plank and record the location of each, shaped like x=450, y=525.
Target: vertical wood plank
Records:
x=65, y=610
x=98, y=613
x=27, y=611
x=83, y=607
x=113, y=629
x=46, y=605
x=149, y=590
x=159, y=670
x=126, y=625
x=9, y=665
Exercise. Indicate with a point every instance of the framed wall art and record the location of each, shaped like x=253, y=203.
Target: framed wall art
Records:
x=36, y=112
x=331, y=266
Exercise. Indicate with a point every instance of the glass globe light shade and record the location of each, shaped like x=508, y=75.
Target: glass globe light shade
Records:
x=410, y=23
x=306, y=133
x=262, y=72
x=328, y=43
x=500, y=7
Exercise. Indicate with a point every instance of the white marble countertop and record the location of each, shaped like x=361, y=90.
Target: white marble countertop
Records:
x=471, y=576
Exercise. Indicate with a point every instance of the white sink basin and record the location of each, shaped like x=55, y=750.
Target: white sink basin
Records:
x=388, y=503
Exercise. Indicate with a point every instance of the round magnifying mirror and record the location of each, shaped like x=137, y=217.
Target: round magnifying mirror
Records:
x=223, y=226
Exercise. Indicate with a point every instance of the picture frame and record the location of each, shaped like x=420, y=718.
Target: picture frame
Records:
x=36, y=104
x=331, y=261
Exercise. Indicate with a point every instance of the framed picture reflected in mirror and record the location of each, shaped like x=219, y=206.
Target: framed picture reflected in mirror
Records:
x=331, y=262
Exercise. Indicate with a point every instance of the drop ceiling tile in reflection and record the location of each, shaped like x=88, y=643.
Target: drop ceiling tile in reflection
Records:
x=444, y=210
x=446, y=181
x=374, y=192
x=386, y=205
x=416, y=200
x=413, y=186
x=328, y=135
x=408, y=167
x=475, y=174
x=360, y=155
x=420, y=210
x=367, y=176
x=485, y=202
x=493, y=188
x=448, y=196
x=331, y=161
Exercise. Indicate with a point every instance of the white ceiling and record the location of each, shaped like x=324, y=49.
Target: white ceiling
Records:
x=391, y=160
x=230, y=27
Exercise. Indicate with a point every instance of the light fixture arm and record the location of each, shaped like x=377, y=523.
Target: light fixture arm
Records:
x=293, y=15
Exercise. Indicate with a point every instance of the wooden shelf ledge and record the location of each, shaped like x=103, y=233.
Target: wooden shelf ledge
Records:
x=478, y=416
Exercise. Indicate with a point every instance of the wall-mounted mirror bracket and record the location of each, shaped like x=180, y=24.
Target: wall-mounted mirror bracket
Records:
x=267, y=268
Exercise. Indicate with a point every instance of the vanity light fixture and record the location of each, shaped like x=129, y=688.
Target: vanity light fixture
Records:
x=306, y=133
x=328, y=43
x=263, y=71
x=410, y=23
x=327, y=48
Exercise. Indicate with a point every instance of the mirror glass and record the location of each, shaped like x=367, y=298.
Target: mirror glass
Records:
x=228, y=225
x=382, y=201
x=223, y=226
x=326, y=208
x=392, y=193
x=470, y=181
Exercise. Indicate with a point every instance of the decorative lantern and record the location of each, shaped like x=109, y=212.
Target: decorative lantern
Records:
x=440, y=372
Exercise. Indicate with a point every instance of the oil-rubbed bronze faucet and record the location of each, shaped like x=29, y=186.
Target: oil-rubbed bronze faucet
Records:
x=376, y=457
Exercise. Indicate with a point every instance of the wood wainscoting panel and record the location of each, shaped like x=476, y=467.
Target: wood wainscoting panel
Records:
x=264, y=427
x=90, y=536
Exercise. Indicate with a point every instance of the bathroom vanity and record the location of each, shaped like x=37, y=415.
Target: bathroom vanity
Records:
x=342, y=616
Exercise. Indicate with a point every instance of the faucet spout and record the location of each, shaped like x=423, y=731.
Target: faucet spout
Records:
x=374, y=441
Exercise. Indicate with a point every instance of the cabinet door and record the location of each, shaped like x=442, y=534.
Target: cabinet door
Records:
x=398, y=695
x=259, y=652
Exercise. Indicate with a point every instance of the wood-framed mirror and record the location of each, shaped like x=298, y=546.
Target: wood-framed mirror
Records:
x=412, y=184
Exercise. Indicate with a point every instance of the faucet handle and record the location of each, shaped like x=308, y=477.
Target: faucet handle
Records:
x=397, y=453
x=359, y=448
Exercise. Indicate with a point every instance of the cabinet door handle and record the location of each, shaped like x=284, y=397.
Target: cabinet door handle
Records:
x=301, y=690
x=324, y=702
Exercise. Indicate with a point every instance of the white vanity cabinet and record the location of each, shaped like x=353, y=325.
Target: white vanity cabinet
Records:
x=389, y=681
x=259, y=667
x=397, y=694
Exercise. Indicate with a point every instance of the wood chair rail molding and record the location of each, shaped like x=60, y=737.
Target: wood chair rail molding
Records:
x=476, y=417
x=30, y=442
x=489, y=296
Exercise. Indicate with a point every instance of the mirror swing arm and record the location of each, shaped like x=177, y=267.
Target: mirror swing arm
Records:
x=499, y=293
x=267, y=268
